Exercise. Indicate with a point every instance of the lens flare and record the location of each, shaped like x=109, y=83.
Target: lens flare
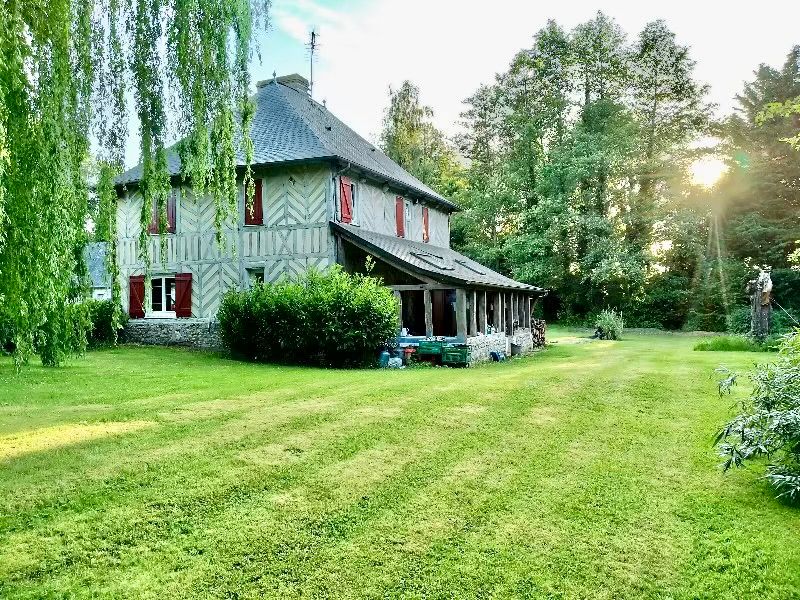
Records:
x=707, y=171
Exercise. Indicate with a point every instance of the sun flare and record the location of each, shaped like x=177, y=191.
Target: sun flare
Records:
x=707, y=171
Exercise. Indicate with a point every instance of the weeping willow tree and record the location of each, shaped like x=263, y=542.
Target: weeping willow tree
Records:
x=69, y=70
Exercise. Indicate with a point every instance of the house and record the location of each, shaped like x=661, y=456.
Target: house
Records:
x=94, y=256
x=323, y=195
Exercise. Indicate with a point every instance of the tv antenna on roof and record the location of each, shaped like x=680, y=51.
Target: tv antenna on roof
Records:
x=312, y=46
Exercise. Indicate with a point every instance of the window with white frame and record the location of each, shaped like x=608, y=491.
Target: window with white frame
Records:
x=255, y=276
x=162, y=296
x=409, y=233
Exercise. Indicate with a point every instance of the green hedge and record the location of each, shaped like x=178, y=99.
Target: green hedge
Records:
x=333, y=319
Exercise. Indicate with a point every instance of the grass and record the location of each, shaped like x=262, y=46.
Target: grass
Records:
x=729, y=343
x=585, y=471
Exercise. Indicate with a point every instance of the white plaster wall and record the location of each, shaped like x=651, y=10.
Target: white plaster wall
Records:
x=375, y=211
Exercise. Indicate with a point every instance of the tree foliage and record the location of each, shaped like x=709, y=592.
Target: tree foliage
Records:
x=577, y=158
x=412, y=141
x=66, y=69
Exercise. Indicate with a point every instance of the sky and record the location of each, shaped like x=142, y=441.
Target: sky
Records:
x=449, y=48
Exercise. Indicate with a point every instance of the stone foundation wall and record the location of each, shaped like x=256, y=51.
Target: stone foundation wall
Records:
x=528, y=339
x=482, y=345
x=195, y=333
x=521, y=342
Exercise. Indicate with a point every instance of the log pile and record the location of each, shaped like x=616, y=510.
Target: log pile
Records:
x=538, y=329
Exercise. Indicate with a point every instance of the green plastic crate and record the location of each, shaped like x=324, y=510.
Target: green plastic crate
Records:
x=456, y=355
x=430, y=347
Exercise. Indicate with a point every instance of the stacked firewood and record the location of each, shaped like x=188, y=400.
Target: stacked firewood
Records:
x=538, y=328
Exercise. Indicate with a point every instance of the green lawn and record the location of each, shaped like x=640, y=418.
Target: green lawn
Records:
x=585, y=471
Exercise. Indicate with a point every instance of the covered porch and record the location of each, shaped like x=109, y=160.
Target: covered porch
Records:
x=445, y=295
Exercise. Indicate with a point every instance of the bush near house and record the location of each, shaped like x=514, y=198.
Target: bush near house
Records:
x=107, y=320
x=329, y=319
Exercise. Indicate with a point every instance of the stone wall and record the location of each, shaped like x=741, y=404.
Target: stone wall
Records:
x=526, y=339
x=196, y=333
x=482, y=345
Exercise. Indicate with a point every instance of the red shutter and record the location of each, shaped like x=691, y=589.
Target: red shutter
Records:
x=400, y=216
x=345, y=200
x=183, y=295
x=171, y=212
x=153, y=227
x=254, y=208
x=425, y=225
x=136, y=296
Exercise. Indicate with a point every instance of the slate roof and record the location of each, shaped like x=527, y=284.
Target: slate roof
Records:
x=94, y=254
x=289, y=126
x=440, y=264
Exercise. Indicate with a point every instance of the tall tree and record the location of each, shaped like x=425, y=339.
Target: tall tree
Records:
x=410, y=138
x=63, y=69
x=601, y=58
x=669, y=105
x=761, y=193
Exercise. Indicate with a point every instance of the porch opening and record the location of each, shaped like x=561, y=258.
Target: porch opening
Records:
x=444, y=312
x=413, y=315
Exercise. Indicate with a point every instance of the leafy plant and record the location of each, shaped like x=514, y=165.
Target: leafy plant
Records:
x=609, y=325
x=107, y=320
x=769, y=423
x=327, y=319
x=729, y=343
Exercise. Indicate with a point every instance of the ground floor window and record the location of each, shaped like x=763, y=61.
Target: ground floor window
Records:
x=163, y=296
x=255, y=276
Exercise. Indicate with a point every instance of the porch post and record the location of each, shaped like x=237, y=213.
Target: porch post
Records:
x=498, y=308
x=509, y=314
x=399, y=299
x=461, y=314
x=473, y=313
x=428, y=313
x=482, y=312
x=527, y=308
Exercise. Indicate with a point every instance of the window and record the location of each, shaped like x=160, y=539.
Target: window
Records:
x=408, y=219
x=254, y=207
x=172, y=202
x=347, y=200
x=426, y=232
x=162, y=296
x=399, y=216
x=255, y=276
x=169, y=296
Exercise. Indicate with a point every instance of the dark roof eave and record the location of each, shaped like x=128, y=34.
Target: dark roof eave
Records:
x=451, y=206
x=390, y=258
x=180, y=178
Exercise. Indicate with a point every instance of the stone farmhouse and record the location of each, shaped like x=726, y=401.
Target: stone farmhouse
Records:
x=323, y=195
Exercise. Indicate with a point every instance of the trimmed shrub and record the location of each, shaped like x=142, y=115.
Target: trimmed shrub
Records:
x=729, y=343
x=329, y=319
x=609, y=325
x=107, y=320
